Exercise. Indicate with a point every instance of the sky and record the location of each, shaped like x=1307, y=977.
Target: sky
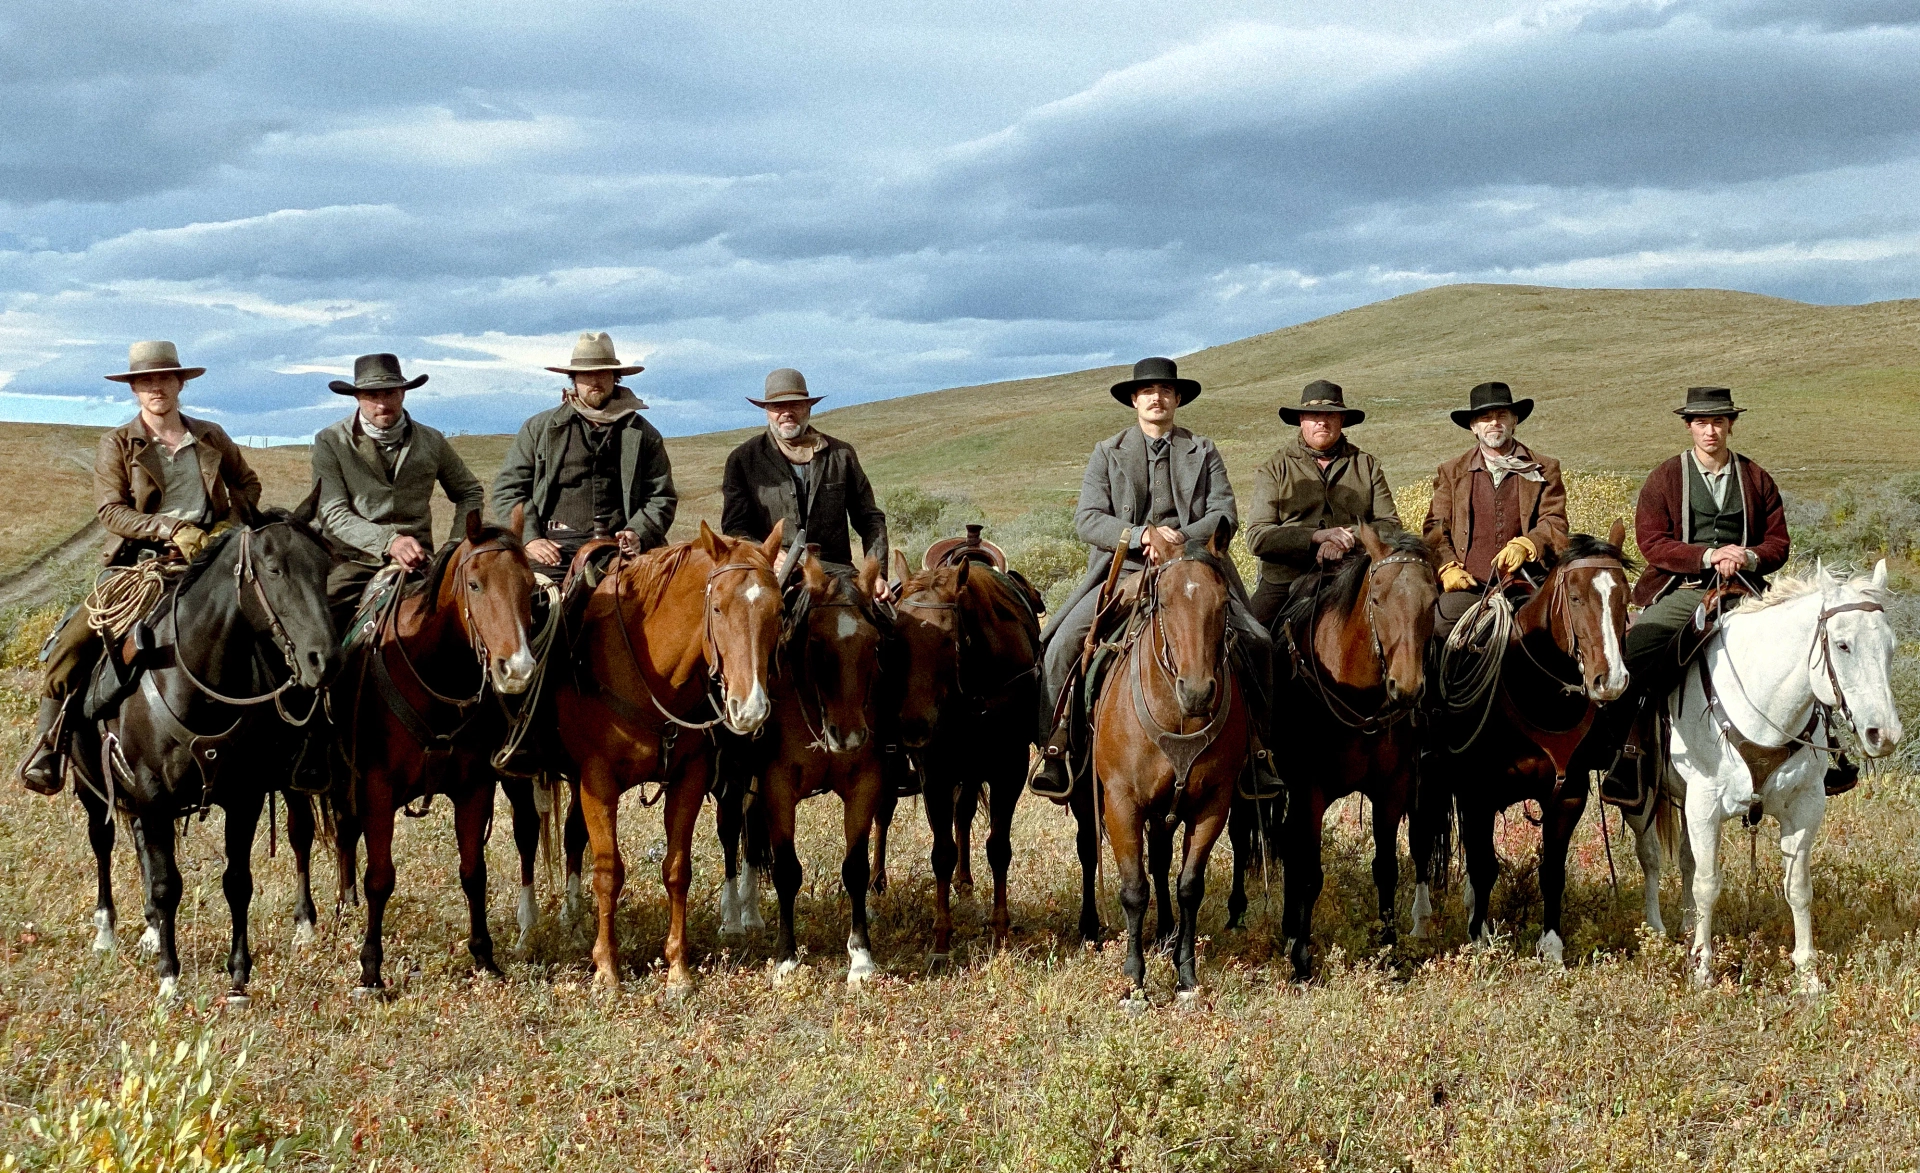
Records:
x=893, y=197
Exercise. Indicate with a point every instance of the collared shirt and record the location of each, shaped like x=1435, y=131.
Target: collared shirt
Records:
x=182, y=494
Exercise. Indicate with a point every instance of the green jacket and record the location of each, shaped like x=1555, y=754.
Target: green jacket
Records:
x=533, y=462
x=362, y=510
x=1291, y=498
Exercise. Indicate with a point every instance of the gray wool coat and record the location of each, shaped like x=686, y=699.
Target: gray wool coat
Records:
x=362, y=510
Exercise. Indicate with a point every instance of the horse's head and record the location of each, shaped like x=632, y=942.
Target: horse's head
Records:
x=931, y=634
x=489, y=576
x=833, y=636
x=742, y=621
x=1852, y=664
x=280, y=566
x=1400, y=591
x=1189, y=600
x=1586, y=596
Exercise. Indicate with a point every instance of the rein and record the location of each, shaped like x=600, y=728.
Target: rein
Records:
x=1820, y=641
x=709, y=650
x=245, y=576
x=1557, y=610
x=1181, y=749
x=389, y=637
x=1308, y=665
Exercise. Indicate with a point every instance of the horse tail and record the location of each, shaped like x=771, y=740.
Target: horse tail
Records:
x=1666, y=821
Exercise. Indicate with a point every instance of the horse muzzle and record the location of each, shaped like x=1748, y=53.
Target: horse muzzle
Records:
x=1195, y=700
x=513, y=674
x=1877, y=742
x=314, y=667
x=840, y=740
x=746, y=716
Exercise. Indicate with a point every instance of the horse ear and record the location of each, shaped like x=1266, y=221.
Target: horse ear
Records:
x=775, y=540
x=473, y=526
x=870, y=574
x=1879, y=580
x=708, y=544
x=960, y=583
x=811, y=572
x=307, y=510
x=1617, y=535
x=1370, y=539
x=517, y=520
x=1218, y=542
x=900, y=571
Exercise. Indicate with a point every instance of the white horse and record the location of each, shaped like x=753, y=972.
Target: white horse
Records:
x=1812, y=647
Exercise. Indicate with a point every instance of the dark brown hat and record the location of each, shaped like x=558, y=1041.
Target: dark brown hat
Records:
x=1487, y=397
x=786, y=387
x=1708, y=401
x=1156, y=370
x=376, y=372
x=1321, y=395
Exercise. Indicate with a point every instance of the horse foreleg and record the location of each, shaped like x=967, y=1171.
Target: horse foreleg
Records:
x=1004, y=797
x=1703, y=832
x=684, y=796
x=346, y=858
x=154, y=836
x=1388, y=809
x=729, y=818
x=938, y=800
x=1558, y=820
x=573, y=843
x=1200, y=838
x=377, y=826
x=470, y=831
x=1240, y=835
x=526, y=842
x=1304, y=877
x=778, y=802
x=1799, y=824
x=100, y=836
x=242, y=819
x=1425, y=820
x=1646, y=848
x=597, y=801
x=1124, y=828
x=1483, y=865
x=300, y=831
x=1159, y=863
x=857, y=817
x=1087, y=846
x=965, y=804
x=883, y=810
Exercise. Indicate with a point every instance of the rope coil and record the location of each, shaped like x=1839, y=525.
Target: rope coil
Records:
x=128, y=594
x=1470, y=663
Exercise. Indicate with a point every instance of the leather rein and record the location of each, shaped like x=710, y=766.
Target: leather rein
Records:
x=1308, y=667
x=709, y=650
x=1180, y=748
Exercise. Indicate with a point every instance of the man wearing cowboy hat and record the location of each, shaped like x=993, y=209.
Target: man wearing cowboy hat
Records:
x=1153, y=475
x=165, y=482
x=1309, y=496
x=796, y=472
x=591, y=465
x=1495, y=508
x=377, y=469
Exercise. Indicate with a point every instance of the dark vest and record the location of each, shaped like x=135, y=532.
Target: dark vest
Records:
x=1707, y=523
x=1160, y=506
x=1496, y=521
x=589, y=482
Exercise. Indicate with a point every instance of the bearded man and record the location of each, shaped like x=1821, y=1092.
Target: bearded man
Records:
x=1496, y=508
x=165, y=482
x=797, y=473
x=590, y=466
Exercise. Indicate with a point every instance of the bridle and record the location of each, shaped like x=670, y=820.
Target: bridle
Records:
x=709, y=647
x=1309, y=663
x=245, y=577
x=804, y=676
x=1822, y=643
x=962, y=639
x=1557, y=608
x=484, y=657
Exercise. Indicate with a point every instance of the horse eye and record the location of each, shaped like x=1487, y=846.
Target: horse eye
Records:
x=473, y=584
x=1843, y=646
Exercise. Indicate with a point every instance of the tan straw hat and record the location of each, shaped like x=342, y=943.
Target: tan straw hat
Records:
x=594, y=352
x=155, y=358
x=785, y=387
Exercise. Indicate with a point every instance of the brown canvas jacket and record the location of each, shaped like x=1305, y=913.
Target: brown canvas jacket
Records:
x=1449, y=526
x=129, y=481
x=1291, y=499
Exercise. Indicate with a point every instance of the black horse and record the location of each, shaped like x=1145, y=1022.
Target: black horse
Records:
x=237, y=649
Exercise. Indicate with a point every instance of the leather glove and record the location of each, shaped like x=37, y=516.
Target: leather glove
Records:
x=1515, y=554
x=1454, y=577
x=190, y=540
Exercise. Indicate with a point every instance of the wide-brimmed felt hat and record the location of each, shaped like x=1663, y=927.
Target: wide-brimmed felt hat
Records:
x=1156, y=370
x=1708, y=401
x=1488, y=397
x=1321, y=395
x=155, y=358
x=786, y=387
x=594, y=352
x=376, y=372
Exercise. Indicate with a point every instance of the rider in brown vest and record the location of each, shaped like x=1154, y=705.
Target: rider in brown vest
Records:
x=165, y=482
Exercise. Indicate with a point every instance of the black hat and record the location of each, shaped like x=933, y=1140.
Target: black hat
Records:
x=1156, y=370
x=376, y=372
x=1708, y=401
x=1488, y=396
x=1321, y=395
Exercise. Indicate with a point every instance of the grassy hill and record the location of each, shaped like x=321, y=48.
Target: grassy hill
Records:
x=1835, y=392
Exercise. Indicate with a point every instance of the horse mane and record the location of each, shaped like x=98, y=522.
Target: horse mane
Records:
x=839, y=582
x=207, y=557
x=1339, y=587
x=443, y=557
x=262, y=517
x=1586, y=546
x=1785, y=588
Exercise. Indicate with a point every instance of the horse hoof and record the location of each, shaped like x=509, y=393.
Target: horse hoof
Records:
x=1186, y=999
x=1810, y=984
x=677, y=992
x=303, y=934
x=1134, y=1003
x=1550, y=949
x=237, y=1000
x=783, y=972
x=878, y=884
x=859, y=967
x=937, y=961
x=368, y=993
x=150, y=941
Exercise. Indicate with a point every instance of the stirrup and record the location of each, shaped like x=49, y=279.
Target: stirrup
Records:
x=1842, y=776
x=1260, y=781
x=1036, y=776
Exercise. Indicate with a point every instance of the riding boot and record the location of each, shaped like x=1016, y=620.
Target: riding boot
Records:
x=1619, y=726
x=1052, y=776
x=43, y=771
x=312, y=772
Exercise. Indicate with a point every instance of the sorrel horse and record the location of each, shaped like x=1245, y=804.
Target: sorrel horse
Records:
x=1561, y=659
x=1748, y=740
x=1359, y=635
x=660, y=631
x=1170, y=739
x=971, y=637
x=418, y=717
x=244, y=634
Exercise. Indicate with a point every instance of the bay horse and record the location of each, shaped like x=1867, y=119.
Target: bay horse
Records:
x=245, y=634
x=970, y=637
x=1171, y=735
x=1748, y=739
x=1563, y=657
x=418, y=717
x=1358, y=633
x=660, y=631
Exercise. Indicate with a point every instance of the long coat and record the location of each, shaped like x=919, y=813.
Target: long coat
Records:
x=1660, y=526
x=362, y=509
x=533, y=463
x=129, y=482
x=1542, y=505
x=758, y=490
x=1116, y=497
x=1292, y=498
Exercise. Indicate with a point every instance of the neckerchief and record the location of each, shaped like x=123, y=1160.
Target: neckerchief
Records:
x=800, y=449
x=1500, y=467
x=621, y=404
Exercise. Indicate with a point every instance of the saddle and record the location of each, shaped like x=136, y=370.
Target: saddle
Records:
x=381, y=592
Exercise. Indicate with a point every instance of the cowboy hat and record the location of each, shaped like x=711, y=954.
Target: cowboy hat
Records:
x=786, y=387
x=376, y=372
x=1489, y=397
x=1708, y=401
x=1319, y=396
x=155, y=358
x=1156, y=370
x=594, y=352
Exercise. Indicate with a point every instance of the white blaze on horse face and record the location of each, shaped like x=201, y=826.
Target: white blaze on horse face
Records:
x=1191, y=588
x=1604, y=585
x=753, y=592
x=848, y=627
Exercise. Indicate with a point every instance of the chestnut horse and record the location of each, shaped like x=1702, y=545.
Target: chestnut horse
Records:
x=1358, y=633
x=1562, y=659
x=417, y=717
x=1170, y=739
x=660, y=631
x=971, y=638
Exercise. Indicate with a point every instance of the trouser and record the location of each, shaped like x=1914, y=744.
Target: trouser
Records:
x=347, y=580
x=1448, y=611
x=70, y=656
x=1650, y=656
x=1268, y=599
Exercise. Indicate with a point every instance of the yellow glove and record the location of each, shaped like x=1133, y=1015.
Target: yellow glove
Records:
x=1454, y=577
x=190, y=539
x=1514, y=554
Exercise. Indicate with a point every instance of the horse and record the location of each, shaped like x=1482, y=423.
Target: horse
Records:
x=1359, y=634
x=1747, y=738
x=245, y=627
x=418, y=717
x=1561, y=658
x=1171, y=735
x=659, y=631
x=971, y=641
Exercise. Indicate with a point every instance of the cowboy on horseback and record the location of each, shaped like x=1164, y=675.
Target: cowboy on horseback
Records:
x=165, y=481
x=1496, y=508
x=1154, y=476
